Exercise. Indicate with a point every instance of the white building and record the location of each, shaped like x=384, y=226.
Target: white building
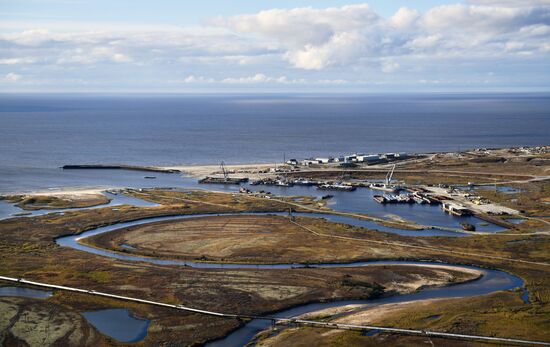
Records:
x=323, y=160
x=292, y=162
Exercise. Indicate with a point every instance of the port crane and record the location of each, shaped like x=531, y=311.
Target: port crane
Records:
x=390, y=175
x=386, y=186
x=225, y=173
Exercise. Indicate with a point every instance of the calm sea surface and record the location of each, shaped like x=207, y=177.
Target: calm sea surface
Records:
x=47, y=131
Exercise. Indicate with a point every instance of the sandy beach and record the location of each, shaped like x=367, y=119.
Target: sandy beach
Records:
x=199, y=171
x=65, y=192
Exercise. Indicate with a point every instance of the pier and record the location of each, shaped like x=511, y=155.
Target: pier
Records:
x=119, y=167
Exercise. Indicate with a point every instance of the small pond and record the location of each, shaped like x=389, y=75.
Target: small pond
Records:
x=118, y=323
x=25, y=292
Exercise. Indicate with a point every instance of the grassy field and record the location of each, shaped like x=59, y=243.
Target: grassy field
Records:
x=255, y=239
x=51, y=202
x=29, y=251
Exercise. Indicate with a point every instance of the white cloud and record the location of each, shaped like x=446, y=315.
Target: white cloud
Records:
x=32, y=37
x=17, y=61
x=423, y=42
x=510, y=3
x=121, y=58
x=389, y=66
x=514, y=46
x=317, y=39
x=197, y=79
x=314, y=38
x=261, y=78
x=330, y=46
x=342, y=48
x=404, y=18
x=333, y=82
x=301, y=26
x=12, y=77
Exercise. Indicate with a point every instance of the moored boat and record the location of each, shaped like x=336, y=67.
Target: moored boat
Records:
x=379, y=199
x=336, y=186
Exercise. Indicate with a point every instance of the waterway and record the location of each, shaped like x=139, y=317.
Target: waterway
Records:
x=490, y=281
x=8, y=209
x=358, y=201
x=24, y=292
x=72, y=241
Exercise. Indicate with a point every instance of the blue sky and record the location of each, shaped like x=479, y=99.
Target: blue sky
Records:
x=173, y=11
x=235, y=46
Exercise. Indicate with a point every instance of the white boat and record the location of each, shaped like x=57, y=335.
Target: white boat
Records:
x=390, y=198
x=384, y=187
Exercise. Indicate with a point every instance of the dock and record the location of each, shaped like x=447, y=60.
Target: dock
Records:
x=225, y=179
x=119, y=167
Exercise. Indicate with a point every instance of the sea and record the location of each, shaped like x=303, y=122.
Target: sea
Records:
x=46, y=131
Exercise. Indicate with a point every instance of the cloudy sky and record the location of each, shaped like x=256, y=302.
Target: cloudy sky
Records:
x=251, y=45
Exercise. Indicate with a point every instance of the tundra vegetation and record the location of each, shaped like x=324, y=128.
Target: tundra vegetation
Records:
x=29, y=251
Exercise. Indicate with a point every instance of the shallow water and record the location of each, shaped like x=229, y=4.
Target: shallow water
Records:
x=491, y=280
x=501, y=189
x=8, y=210
x=118, y=323
x=358, y=201
x=25, y=292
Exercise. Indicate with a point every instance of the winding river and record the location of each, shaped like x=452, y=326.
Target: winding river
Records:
x=490, y=281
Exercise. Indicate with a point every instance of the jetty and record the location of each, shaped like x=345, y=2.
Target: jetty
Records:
x=118, y=167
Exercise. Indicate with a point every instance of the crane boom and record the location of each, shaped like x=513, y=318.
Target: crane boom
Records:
x=390, y=175
x=225, y=174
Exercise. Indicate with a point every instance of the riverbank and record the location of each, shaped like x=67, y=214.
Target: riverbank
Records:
x=58, y=200
x=338, y=261
x=286, y=286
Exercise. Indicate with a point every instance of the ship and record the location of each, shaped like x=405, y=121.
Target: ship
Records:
x=336, y=186
x=303, y=182
x=405, y=198
x=390, y=198
x=282, y=183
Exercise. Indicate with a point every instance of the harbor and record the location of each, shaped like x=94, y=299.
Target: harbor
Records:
x=341, y=214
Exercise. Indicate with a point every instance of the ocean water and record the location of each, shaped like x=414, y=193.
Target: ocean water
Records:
x=46, y=131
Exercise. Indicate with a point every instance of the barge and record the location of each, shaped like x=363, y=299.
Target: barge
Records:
x=222, y=180
x=384, y=187
x=336, y=186
x=455, y=209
